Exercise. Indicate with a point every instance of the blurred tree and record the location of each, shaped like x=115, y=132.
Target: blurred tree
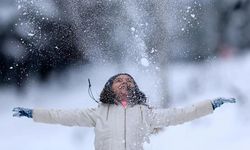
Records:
x=233, y=25
x=41, y=44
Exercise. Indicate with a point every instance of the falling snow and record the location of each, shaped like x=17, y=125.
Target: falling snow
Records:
x=145, y=62
x=100, y=37
x=31, y=34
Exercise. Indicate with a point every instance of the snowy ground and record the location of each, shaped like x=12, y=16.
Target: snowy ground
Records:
x=227, y=128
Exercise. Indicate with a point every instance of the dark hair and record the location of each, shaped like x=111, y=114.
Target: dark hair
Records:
x=108, y=96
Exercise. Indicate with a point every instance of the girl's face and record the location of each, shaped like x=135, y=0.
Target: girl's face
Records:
x=121, y=86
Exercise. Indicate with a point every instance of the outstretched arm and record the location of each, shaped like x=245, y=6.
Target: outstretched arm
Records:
x=75, y=117
x=175, y=116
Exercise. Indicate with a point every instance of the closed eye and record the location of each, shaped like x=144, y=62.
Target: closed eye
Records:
x=130, y=81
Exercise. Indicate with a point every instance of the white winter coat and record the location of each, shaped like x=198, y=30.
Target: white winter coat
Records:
x=117, y=128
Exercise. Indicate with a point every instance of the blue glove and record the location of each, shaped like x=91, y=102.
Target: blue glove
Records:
x=219, y=101
x=20, y=112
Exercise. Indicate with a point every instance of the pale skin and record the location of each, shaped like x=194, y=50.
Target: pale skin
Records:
x=121, y=86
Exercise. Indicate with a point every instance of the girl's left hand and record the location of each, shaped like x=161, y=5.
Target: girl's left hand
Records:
x=219, y=101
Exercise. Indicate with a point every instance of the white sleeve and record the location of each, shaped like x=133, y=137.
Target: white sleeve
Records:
x=173, y=116
x=75, y=117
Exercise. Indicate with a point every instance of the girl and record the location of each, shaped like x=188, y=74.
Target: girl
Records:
x=123, y=120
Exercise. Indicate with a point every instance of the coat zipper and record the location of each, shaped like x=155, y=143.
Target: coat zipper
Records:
x=125, y=142
x=141, y=115
x=107, y=116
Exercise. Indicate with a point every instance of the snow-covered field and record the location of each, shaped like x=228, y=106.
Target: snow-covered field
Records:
x=227, y=128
